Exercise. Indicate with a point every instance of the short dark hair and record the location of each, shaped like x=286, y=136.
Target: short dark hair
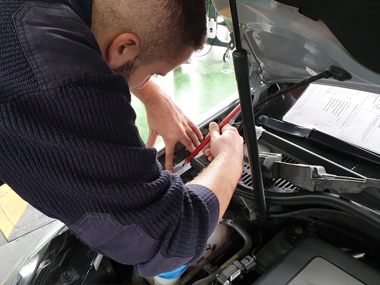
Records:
x=185, y=27
x=189, y=16
x=165, y=27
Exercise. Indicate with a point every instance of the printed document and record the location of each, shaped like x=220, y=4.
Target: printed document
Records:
x=350, y=115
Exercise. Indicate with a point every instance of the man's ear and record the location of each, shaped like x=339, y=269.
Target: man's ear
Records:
x=123, y=48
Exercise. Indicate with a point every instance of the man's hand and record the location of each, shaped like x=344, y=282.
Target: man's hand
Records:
x=229, y=142
x=166, y=119
x=226, y=151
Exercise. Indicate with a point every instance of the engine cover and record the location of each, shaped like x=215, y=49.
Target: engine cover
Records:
x=313, y=261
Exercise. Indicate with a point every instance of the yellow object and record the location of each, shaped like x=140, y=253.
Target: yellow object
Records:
x=298, y=231
x=11, y=209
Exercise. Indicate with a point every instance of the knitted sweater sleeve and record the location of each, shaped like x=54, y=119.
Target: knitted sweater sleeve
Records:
x=75, y=154
x=69, y=146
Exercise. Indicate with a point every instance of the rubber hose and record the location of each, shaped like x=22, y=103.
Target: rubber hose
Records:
x=321, y=199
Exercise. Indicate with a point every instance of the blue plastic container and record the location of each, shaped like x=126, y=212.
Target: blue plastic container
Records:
x=175, y=273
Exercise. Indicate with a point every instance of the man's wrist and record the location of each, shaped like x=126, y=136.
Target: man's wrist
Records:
x=231, y=160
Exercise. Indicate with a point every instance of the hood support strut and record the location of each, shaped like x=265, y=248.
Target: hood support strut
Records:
x=242, y=78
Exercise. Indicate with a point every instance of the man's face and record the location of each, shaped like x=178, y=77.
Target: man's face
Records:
x=138, y=74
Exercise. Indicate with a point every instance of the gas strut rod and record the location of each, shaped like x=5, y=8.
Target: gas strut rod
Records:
x=242, y=78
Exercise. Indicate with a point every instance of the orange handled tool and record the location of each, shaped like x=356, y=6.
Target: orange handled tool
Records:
x=207, y=139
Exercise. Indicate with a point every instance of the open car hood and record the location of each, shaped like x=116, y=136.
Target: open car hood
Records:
x=287, y=46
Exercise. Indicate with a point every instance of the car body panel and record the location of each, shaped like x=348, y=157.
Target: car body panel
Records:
x=286, y=46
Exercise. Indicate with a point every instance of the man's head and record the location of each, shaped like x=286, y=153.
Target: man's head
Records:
x=148, y=36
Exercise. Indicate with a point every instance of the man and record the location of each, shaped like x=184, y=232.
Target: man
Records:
x=68, y=142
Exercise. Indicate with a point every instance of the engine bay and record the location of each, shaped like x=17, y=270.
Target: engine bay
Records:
x=307, y=237
x=301, y=214
x=316, y=229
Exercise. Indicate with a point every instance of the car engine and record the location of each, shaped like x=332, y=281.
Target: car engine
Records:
x=306, y=238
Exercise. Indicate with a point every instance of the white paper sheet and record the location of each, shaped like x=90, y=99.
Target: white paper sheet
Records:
x=351, y=115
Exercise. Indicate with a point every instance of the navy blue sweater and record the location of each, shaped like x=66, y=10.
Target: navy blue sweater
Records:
x=69, y=145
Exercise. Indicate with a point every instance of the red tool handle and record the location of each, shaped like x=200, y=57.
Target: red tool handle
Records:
x=207, y=139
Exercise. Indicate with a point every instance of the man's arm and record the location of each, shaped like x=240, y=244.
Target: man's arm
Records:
x=166, y=119
x=88, y=167
x=225, y=170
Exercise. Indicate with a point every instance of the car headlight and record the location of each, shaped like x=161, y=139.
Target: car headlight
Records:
x=29, y=264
